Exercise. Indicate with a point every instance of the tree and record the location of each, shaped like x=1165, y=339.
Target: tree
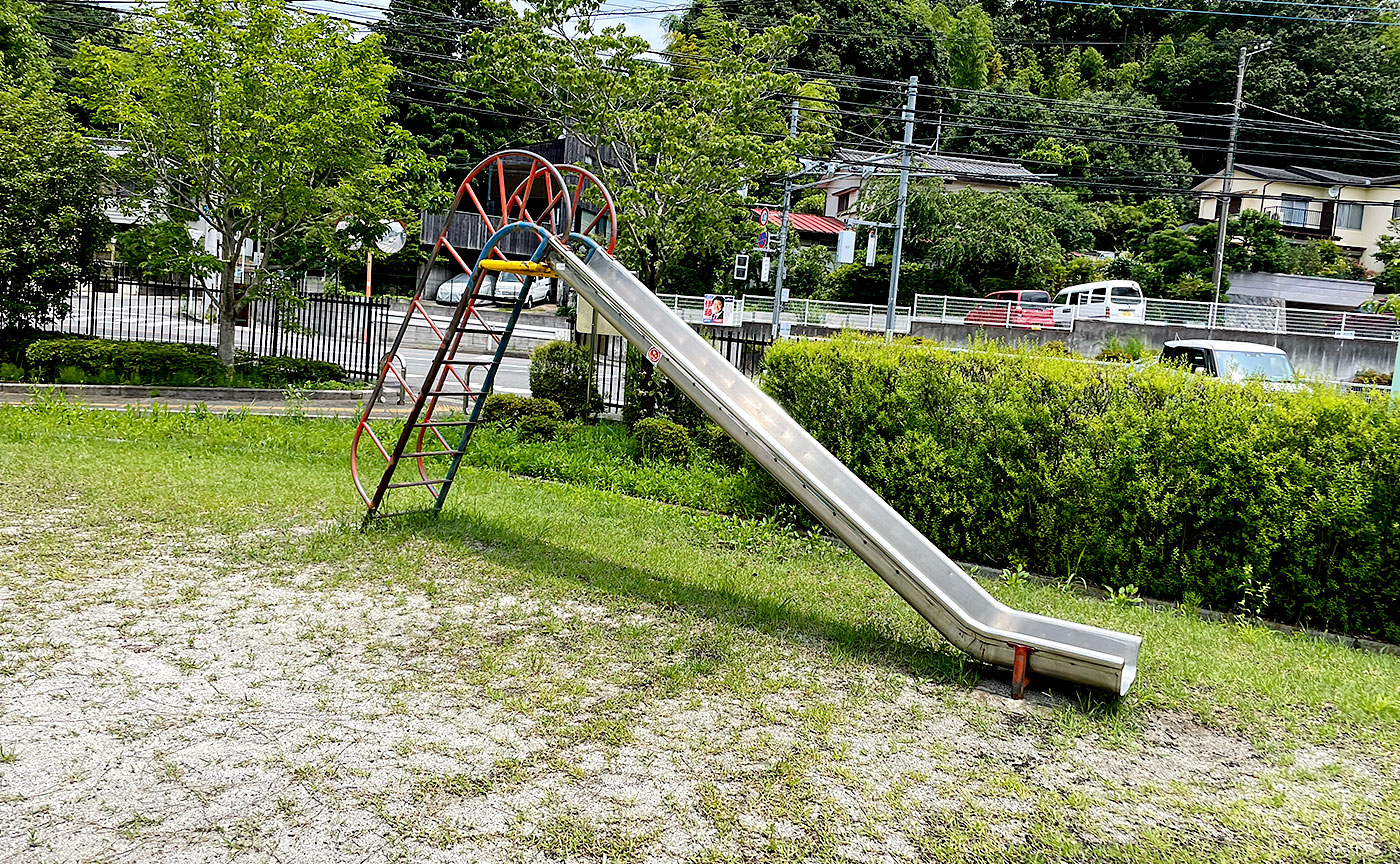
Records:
x=423, y=38
x=676, y=142
x=65, y=24
x=1388, y=253
x=267, y=123
x=51, y=219
x=1068, y=116
x=969, y=237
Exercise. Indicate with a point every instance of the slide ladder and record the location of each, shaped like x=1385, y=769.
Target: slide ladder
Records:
x=932, y=583
x=509, y=204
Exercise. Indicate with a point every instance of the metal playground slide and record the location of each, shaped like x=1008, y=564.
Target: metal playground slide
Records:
x=937, y=588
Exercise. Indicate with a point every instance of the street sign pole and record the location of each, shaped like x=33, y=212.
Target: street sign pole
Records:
x=782, y=237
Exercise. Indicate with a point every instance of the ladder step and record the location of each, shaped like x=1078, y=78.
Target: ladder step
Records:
x=416, y=483
x=453, y=393
x=433, y=424
x=430, y=453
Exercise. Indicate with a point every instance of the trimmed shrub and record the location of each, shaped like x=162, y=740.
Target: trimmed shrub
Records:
x=502, y=408
x=710, y=438
x=1371, y=376
x=1180, y=485
x=538, y=406
x=111, y=362
x=509, y=409
x=562, y=373
x=661, y=440
x=537, y=427
x=281, y=371
x=144, y=362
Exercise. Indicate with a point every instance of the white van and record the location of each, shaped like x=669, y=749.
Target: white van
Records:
x=500, y=287
x=1111, y=300
x=1234, y=361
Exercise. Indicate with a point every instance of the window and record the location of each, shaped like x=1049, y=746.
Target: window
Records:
x=1293, y=210
x=1395, y=211
x=1126, y=295
x=1349, y=216
x=844, y=200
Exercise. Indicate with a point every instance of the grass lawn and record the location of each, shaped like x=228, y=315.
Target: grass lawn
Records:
x=203, y=658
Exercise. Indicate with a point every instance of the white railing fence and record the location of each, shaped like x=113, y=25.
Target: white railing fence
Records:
x=1002, y=314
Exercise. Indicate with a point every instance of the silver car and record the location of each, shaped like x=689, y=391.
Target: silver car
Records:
x=503, y=288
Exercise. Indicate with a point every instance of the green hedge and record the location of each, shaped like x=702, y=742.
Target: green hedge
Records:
x=1285, y=505
x=141, y=362
x=100, y=361
x=661, y=440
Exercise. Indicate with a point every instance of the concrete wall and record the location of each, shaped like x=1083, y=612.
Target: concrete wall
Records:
x=1315, y=291
x=1323, y=357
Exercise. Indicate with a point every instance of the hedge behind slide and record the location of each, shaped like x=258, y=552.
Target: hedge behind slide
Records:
x=1187, y=488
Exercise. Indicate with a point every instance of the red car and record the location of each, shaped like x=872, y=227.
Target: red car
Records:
x=1029, y=310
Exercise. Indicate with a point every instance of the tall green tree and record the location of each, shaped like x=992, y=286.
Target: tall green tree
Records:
x=676, y=142
x=267, y=123
x=885, y=41
x=968, y=237
x=51, y=219
x=65, y=25
x=1069, y=115
x=424, y=40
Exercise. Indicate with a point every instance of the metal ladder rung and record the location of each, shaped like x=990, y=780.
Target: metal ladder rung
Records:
x=416, y=483
x=433, y=424
x=454, y=393
x=430, y=453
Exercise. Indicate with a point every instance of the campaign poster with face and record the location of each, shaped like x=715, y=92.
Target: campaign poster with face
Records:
x=719, y=310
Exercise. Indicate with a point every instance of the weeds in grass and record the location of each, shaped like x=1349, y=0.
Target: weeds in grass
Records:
x=1124, y=596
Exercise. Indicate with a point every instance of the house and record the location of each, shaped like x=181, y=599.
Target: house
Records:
x=125, y=213
x=1312, y=203
x=804, y=228
x=847, y=172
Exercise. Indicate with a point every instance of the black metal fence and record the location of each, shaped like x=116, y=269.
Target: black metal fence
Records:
x=350, y=331
x=610, y=358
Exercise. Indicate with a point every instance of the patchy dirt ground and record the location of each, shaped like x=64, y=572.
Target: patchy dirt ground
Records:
x=179, y=696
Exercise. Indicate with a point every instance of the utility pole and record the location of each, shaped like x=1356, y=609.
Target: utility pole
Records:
x=1222, y=206
x=782, y=236
x=903, y=200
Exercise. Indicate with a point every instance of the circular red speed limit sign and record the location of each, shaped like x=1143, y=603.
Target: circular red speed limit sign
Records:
x=654, y=355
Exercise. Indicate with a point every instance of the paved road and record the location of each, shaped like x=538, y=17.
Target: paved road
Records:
x=513, y=376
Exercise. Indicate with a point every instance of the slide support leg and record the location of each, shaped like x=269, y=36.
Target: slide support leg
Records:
x=1020, y=671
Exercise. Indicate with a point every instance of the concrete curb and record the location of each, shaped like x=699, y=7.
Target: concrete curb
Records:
x=238, y=394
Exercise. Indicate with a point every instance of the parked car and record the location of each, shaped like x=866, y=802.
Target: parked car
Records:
x=500, y=287
x=1110, y=300
x=1234, y=361
x=1030, y=310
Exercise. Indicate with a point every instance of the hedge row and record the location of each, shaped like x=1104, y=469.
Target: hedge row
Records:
x=164, y=363
x=1285, y=505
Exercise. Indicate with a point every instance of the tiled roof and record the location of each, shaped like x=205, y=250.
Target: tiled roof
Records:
x=804, y=223
x=1315, y=176
x=949, y=167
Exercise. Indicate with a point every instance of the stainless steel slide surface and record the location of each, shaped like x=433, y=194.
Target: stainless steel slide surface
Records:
x=928, y=580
